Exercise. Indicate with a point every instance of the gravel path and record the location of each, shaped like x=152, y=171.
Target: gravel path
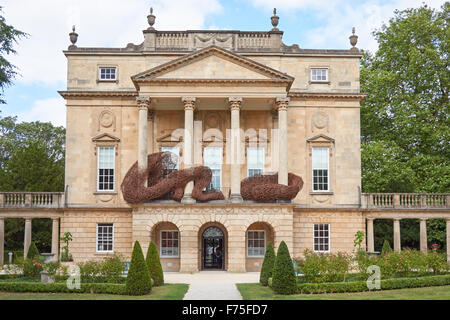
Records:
x=212, y=285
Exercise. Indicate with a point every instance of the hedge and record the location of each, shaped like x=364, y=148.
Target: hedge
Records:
x=61, y=287
x=360, y=286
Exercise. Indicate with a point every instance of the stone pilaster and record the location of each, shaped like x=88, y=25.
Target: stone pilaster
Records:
x=55, y=237
x=188, y=152
x=235, y=147
x=282, y=106
x=143, y=105
x=397, y=241
x=2, y=240
x=370, y=235
x=423, y=235
x=27, y=240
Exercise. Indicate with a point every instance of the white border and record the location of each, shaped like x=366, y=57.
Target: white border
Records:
x=319, y=68
x=265, y=244
x=263, y=158
x=221, y=163
x=107, y=67
x=96, y=236
x=312, y=169
x=160, y=244
x=329, y=238
x=98, y=168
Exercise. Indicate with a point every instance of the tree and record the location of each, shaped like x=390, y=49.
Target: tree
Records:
x=138, y=280
x=268, y=264
x=33, y=252
x=284, y=281
x=154, y=265
x=404, y=119
x=386, y=248
x=8, y=36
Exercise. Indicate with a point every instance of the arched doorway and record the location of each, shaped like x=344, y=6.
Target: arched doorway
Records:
x=213, y=249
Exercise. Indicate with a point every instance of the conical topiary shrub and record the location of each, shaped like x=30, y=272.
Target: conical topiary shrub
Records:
x=267, y=266
x=33, y=252
x=154, y=265
x=386, y=247
x=283, y=280
x=138, y=279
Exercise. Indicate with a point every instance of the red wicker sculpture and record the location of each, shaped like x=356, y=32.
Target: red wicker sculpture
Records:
x=160, y=182
x=265, y=188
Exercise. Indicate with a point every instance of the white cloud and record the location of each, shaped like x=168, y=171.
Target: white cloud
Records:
x=112, y=23
x=339, y=16
x=46, y=110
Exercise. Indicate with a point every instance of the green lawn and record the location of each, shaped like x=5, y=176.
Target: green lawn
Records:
x=166, y=292
x=254, y=291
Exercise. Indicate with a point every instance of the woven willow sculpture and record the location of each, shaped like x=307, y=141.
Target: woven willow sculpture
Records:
x=265, y=188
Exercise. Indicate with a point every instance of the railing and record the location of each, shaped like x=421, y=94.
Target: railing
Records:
x=31, y=199
x=406, y=200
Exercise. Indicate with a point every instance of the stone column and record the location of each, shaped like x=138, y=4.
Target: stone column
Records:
x=143, y=105
x=397, y=243
x=27, y=240
x=281, y=106
x=448, y=240
x=235, y=148
x=423, y=235
x=55, y=237
x=2, y=241
x=188, y=152
x=370, y=235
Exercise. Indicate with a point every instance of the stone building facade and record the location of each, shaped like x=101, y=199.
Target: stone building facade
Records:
x=201, y=95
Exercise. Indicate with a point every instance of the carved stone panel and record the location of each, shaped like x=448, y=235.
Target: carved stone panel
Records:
x=320, y=121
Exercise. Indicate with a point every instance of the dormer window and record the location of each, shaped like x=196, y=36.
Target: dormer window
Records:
x=107, y=74
x=319, y=75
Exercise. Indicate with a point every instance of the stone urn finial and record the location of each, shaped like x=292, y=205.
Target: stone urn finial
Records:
x=275, y=19
x=151, y=19
x=354, y=40
x=73, y=38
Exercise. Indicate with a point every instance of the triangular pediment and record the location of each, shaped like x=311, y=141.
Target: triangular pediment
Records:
x=321, y=138
x=105, y=137
x=212, y=63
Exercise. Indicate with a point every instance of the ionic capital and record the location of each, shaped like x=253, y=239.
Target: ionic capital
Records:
x=281, y=104
x=189, y=103
x=235, y=103
x=143, y=102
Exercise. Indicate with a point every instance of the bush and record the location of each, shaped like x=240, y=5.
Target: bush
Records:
x=138, y=279
x=386, y=247
x=105, y=288
x=436, y=262
x=112, y=269
x=154, y=265
x=32, y=269
x=323, y=267
x=284, y=281
x=268, y=264
x=33, y=252
x=90, y=271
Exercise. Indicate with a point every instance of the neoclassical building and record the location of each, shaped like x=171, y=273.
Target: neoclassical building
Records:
x=241, y=103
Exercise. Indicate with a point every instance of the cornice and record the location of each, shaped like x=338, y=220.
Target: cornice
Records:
x=79, y=93
x=328, y=95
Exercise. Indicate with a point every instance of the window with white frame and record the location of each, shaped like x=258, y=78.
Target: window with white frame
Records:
x=105, y=176
x=169, y=244
x=320, y=169
x=255, y=161
x=105, y=237
x=319, y=75
x=256, y=243
x=175, y=155
x=212, y=158
x=107, y=73
x=321, y=237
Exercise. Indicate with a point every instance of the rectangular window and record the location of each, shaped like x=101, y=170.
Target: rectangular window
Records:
x=105, y=237
x=256, y=243
x=169, y=244
x=321, y=237
x=106, y=168
x=255, y=161
x=213, y=160
x=319, y=75
x=107, y=73
x=175, y=156
x=320, y=167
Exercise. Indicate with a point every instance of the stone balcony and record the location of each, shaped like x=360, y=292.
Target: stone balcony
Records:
x=405, y=201
x=32, y=200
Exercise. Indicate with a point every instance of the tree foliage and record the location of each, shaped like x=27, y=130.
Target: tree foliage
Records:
x=284, y=281
x=138, y=279
x=33, y=252
x=268, y=264
x=8, y=37
x=405, y=117
x=154, y=265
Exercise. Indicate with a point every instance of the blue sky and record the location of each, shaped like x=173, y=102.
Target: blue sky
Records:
x=114, y=23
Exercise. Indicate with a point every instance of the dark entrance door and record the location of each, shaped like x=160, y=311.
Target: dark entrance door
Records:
x=213, y=249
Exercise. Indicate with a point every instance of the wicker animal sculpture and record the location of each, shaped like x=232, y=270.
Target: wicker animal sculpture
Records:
x=265, y=188
x=158, y=184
